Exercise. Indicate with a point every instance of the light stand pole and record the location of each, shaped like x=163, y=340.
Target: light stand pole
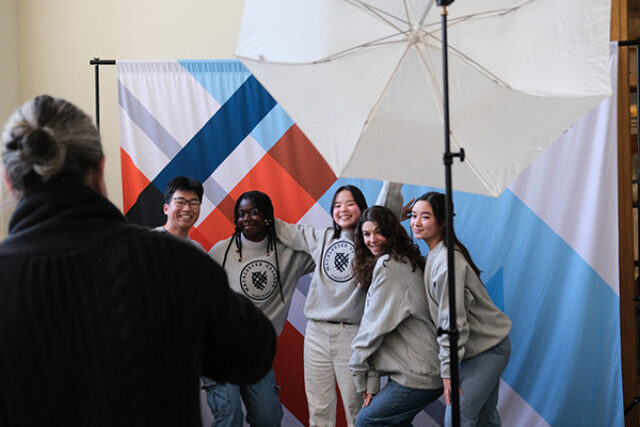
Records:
x=448, y=160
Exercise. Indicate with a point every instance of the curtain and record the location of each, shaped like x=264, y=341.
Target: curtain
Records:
x=548, y=246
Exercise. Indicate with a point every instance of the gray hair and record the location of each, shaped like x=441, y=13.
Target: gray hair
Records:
x=49, y=140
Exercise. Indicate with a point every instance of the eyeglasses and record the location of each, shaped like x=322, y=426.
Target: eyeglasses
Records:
x=181, y=202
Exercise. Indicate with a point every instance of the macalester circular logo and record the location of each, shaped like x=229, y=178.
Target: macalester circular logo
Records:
x=337, y=261
x=258, y=280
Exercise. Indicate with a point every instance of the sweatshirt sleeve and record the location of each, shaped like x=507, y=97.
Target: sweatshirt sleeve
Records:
x=390, y=196
x=239, y=341
x=384, y=310
x=440, y=283
x=299, y=237
x=217, y=251
x=309, y=264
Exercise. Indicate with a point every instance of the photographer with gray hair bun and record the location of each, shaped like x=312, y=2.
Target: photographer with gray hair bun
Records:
x=105, y=323
x=49, y=140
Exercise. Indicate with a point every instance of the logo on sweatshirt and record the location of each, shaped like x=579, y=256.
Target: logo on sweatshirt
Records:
x=337, y=261
x=258, y=280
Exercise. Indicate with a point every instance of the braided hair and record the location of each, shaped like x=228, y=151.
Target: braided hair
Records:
x=263, y=204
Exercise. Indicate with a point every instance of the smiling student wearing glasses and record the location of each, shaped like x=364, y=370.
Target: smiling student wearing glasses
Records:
x=182, y=200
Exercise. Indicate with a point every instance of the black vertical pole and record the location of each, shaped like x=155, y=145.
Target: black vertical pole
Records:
x=97, y=68
x=637, y=44
x=97, y=62
x=448, y=160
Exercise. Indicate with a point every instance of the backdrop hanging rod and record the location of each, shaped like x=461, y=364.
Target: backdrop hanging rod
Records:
x=635, y=42
x=97, y=62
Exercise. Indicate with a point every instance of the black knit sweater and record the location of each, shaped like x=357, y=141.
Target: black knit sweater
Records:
x=107, y=324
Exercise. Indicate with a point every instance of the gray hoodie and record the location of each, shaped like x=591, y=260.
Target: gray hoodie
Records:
x=195, y=243
x=397, y=336
x=480, y=323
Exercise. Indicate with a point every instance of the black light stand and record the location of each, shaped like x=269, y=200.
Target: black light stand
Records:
x=448, y=160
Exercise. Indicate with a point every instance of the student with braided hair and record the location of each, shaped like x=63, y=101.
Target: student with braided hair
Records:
x=265, y=271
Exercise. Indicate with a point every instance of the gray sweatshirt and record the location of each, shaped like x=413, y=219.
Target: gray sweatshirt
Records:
x=397, y=336
x=332, y=294
x=188, y=239
x=255, y=276
x=480, y=323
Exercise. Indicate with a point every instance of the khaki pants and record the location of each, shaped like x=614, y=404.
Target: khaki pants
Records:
x=327, y=350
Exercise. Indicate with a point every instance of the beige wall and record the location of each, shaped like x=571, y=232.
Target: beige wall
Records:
x=9, y=88
x=53, y=41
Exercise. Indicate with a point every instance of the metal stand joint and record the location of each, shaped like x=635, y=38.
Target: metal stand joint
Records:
x=447, y=158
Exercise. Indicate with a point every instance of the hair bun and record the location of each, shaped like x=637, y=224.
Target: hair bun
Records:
x=49, y=140
x=43, y=151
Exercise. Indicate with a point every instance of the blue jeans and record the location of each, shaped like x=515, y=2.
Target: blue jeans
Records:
x=395, y=405
x=260, y=399
x=480, y=380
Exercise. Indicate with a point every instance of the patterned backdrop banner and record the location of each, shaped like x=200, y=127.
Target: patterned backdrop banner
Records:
x=548, y=246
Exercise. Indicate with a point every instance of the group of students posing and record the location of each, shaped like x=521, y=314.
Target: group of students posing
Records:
x=91, y=312
x=373, y=308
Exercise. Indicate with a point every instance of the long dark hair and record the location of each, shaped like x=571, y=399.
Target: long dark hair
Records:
x=358, y=197
x=399, y=245
x=438, y=206
x=262, y=202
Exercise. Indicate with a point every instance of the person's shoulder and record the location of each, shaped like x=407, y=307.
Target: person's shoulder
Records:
x=384, y=265
x=398, y=268
x=438, y=254
x=152, y=234
x=219, y=248
x=459, y=258
x=166, y=242
x=222, y=243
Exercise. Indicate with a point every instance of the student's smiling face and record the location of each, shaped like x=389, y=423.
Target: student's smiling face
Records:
x=183, y=210
x=251, y=221
x=424, y=224
x=345, y=210
x=373, y=238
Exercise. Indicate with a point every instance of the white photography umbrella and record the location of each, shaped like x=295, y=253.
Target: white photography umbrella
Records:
x=363, y=80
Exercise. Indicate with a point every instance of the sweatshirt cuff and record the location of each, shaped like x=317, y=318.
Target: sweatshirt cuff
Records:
x=373, y=383
x=445, y=370
x=361, y=382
